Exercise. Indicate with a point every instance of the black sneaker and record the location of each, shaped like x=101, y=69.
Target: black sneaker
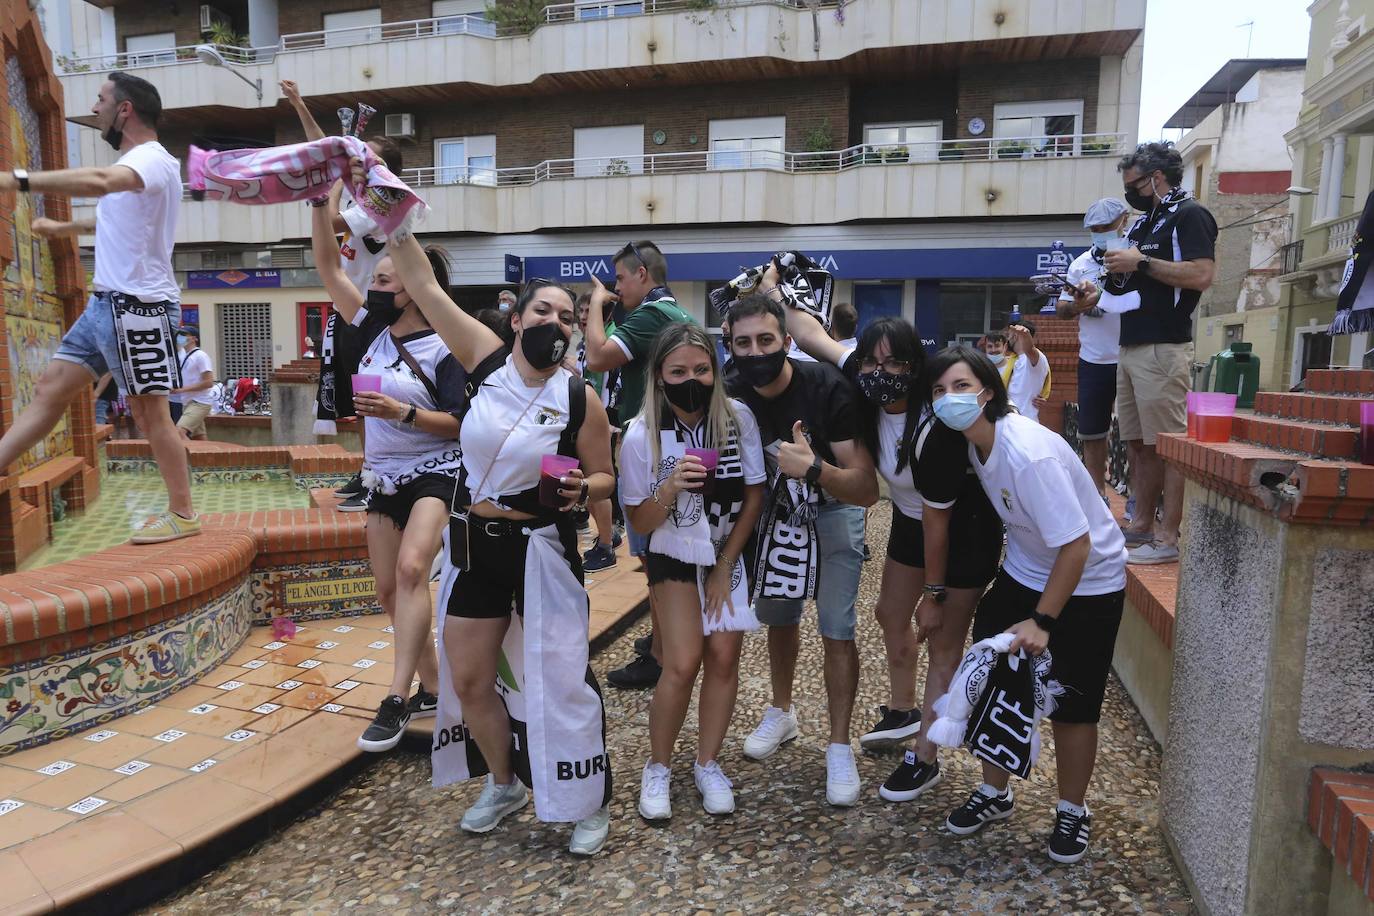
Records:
x=978, y=811
x=1069, y=843
x=385, y=731
x=894, y=726
x=601, y=556
x=644, y=645
x=638, y=674
x=355, y=503
x=912, y=777
x=868, y=554
x=352, y=488
x=422, y=704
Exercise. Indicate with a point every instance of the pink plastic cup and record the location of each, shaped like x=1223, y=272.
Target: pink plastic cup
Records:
x=551, y=469
x=709, y=458
x=1215, y=414
x=1192, y=414
x=367, y=382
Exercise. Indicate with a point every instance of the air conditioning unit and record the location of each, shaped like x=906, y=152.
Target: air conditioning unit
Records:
x=211, y=17
x=400, y=125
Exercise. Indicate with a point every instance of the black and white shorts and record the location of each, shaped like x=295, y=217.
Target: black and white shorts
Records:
x=396, y=506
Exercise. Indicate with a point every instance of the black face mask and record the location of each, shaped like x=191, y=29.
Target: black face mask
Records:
x=543, y=345
x=691, y=395
x=761, y=371
x=1139, y=201
x=881, y=388
x=381, y=304
x=114, y=135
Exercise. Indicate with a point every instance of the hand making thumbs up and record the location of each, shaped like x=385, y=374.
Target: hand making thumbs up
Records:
x=795, y=458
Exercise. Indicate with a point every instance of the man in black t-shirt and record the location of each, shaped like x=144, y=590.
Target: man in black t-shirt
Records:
x=1170, y=262
x=810, y=537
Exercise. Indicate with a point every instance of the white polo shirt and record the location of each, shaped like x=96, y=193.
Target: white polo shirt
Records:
x=1099, y=332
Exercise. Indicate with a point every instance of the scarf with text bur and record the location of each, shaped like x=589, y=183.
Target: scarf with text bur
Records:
x=788, y=558
x=302, y=171
x=1355, y=302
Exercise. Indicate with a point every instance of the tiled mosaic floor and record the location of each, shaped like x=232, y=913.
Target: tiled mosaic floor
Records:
x=127, y=498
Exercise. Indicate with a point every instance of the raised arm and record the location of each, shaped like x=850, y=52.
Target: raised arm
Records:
x=313, y=131
x=802, y=326
x=469, y=340
x=345, y=296
x=602, y=354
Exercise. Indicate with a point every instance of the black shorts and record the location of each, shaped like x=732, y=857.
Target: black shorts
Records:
x=659, y=568
x=175, y=409
x=397, y=506
x=975, y=543
x=1096, y=398
x=495, y=579
x=1081, y=645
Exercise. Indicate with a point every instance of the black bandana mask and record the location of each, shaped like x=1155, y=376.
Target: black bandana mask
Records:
x=543, y=345
x=381, y=304
x=882, y=388
x=114, y=135
x=691, y=395
x=761, y=371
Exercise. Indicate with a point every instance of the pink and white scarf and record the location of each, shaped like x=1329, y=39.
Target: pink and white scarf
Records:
x=301, y=171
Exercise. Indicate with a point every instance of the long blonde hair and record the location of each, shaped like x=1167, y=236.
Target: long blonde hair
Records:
x=721, y=421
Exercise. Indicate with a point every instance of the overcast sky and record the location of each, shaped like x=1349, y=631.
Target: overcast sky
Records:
x=1187, y=41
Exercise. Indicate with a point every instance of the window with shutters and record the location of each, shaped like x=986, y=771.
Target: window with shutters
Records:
x=245, y=340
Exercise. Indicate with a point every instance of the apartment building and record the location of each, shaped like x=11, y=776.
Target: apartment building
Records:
x=1333, y=174
x=929, y=152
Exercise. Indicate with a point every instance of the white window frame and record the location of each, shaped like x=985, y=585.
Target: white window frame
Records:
x=751, y=133
x=368, y=28
x=158, y=50
x=477, y=146
x=917, y=150
x=1038, y=111
x=604, y=160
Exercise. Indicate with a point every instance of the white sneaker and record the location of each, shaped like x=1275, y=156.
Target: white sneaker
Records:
x=495, y=802
x=778, y=727
x=715, y=788
x=841, y=776
x=590, y=833
x=653, y=793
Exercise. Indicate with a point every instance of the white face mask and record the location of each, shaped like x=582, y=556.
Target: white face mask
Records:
x=1102, y=239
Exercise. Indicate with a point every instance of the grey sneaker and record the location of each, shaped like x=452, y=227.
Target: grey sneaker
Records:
x=590, y=833
x=1152, y=554
x=494, y=803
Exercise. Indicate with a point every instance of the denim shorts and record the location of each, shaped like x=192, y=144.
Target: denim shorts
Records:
x=840, y=530
x=639, y=543
x=92, y=342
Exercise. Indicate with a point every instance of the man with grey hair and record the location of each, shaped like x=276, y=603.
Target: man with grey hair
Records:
x=1171, y=260
x=1099, y=333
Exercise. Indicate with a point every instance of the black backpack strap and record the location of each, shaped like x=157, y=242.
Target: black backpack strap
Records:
x=479, y=374
x=577, y=412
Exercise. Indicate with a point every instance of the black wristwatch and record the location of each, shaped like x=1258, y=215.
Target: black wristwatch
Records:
x=1045, y=621
x=938, y=593
x=813, y=473
x=409, y=419
x=1144, y=265
x=21, y=178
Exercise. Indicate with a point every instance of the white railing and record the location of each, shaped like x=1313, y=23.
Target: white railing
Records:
x=584, y=10
x=1340, y=235
x=160, y=57
x=1001, y=148
x=466, y=24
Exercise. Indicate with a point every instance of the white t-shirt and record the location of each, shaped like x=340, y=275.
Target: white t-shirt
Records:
x=1026, y=384
x=1099, y=332
x=637, y=478
x=194, y=365
x=799, y=354
x=901, y=487
x=135, y=230
x=1046, y=497
x=357, y=254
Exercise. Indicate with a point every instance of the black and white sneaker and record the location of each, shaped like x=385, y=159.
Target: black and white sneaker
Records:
x=1069, y=843
x=912, y=777
x=894, y=726
x=980, y=810
x=387, y=726
x=601, y=556
x=355, y=503
x=352, y=488
x=422, y=704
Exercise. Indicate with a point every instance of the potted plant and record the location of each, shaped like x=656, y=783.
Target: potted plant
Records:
x=1096, y=145
x=616, y=167
x=1011, y=149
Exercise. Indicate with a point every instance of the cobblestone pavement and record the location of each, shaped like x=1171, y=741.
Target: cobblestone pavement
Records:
x=388, y=843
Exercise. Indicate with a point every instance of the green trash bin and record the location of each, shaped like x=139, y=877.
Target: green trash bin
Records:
x=1234, y=371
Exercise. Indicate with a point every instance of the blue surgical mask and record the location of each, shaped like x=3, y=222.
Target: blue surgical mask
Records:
x=997, y=358
x=181, y=340
x=959, y=411
x=1102, y=239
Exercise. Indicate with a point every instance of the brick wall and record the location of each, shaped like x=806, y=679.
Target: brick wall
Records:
x=1233, y=245
x=983, y=87
x=302, y=16
x=931, y=98
x=149, y=18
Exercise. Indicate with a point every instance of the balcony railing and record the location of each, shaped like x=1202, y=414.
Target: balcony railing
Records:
x=161, y=57
x=390, y=31
x=1291, y=255
x=583, y=10
x=992, y=149
x=1341, y=234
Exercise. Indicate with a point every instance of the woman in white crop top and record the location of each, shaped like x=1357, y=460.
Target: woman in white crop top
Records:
x=410, y=459
x=521, y=401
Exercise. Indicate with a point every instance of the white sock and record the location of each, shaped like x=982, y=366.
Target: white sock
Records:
x=842, y=747
x=988, y=788
x=1071, y=808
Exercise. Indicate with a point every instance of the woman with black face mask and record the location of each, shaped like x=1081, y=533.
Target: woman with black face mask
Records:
x=410, y=461
x=512, y=544
x=945, y=538
x=698, y=520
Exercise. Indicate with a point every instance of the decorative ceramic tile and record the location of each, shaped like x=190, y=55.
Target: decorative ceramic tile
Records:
x=9, y=804
x=57, y=766
x=288, y=685
x=364, y=663
x=241, y=734
x=310, y=663
x=169, y=736
x=86, y=805
x=275, y=644
x=327, y=645
x=343, y=628
x=231, y=685
x=388, y=629
x=132, y=767
x=266, y=708
x=202, y=709
x=347, y=685
x=332, y=707
x=102, y=735
x=255, y=664
x=204, y=765
x=379, y=644
x=315, y=591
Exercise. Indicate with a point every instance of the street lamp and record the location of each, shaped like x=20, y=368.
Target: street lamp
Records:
x=211, y=57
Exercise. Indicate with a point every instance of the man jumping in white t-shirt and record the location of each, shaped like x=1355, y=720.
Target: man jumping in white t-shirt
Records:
x=127, y=327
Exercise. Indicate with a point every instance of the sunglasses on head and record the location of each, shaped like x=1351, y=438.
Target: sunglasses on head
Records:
x=632, y=248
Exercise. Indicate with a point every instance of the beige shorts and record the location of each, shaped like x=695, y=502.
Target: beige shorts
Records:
x=1152, y=382
x=193, y=415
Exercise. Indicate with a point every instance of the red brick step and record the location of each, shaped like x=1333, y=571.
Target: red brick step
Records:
x=1314, y=439
x=1341, y=381
x=1321, y=408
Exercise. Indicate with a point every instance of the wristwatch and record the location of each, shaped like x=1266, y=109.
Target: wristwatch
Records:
x=1144, y=265
x=409, y=418
x=1045, y=621
x=813, y=473
x=21, y=178
x=586, y=491
x=938, y=593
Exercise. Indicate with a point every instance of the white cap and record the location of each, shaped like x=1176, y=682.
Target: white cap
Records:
x=1104, y=212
